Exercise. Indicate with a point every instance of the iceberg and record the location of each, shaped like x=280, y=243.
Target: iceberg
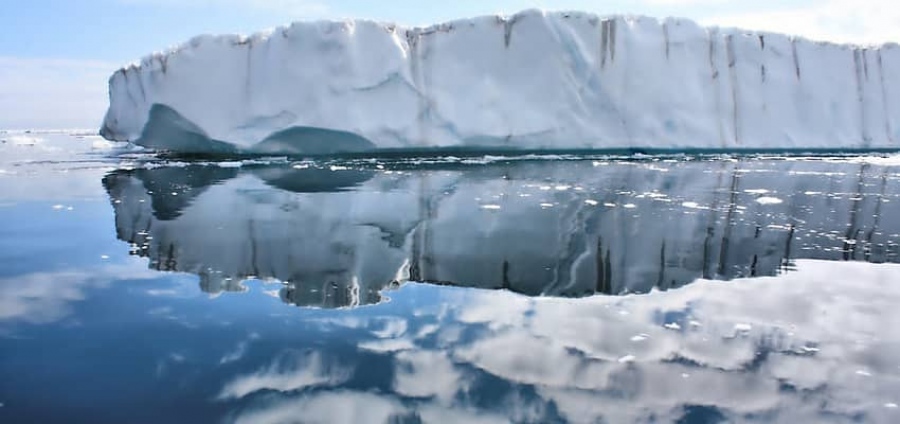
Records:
x=534, y=81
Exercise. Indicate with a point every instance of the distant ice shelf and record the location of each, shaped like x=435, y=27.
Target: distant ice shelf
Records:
x=532, y=81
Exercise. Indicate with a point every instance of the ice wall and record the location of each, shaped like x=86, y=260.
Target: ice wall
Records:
x=535, y=80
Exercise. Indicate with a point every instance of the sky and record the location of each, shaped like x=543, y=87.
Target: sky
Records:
x=56, y=55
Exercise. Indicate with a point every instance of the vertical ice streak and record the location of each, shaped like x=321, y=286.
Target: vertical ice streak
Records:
x=733, y=79
x=414, y=39
x=712, y=34
x=762, y=66
x=794, y=56
x=858, y=58
x=508, y=24
x=604, y=41
x=612, y=39
x=884, y=100
x=665, y=28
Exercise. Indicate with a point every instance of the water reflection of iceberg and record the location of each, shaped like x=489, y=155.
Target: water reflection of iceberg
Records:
x=339, y=234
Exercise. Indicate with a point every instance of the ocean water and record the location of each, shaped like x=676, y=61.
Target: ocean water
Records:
x=693, y=289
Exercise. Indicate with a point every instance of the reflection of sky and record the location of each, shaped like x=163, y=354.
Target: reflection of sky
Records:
x=806, y=346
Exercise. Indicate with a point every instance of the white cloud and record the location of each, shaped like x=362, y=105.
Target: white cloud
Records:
x=52, y=93
x=291, y=8
x=685, y=2
x=333, y=407
x=862, y=22
x=296, y=371
x=444, y=379
x=45, y=297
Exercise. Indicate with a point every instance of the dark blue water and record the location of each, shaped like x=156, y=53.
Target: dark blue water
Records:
x=447, y=290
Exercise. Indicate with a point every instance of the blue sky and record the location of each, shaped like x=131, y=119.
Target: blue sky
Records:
x=55, y=55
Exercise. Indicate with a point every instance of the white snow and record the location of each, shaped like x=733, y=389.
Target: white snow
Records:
x=535, y=80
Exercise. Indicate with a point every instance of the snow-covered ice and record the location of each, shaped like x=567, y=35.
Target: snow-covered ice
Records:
x=532, y=81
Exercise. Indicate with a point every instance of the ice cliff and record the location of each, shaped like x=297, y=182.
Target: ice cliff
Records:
x=535, y=80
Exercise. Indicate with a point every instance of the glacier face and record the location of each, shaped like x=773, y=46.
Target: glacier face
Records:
x=532, y=81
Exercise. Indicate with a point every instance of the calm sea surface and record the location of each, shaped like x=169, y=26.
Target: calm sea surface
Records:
x=522, y=289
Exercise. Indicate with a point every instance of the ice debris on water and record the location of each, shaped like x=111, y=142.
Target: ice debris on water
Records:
x=640, y=337
x=743, y=328
x=672, y=326
x=768, y=200
x=626, y=359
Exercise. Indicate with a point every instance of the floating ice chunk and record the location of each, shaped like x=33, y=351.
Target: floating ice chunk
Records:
x=627, y=359
x=743, y=328
x=101, y=144
x=24, y=140
x=640, y=337
x=768, y=200
x=863, y=373
x=756, y=191
x=491, y=207
x=673, y=326
x=591, y=202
